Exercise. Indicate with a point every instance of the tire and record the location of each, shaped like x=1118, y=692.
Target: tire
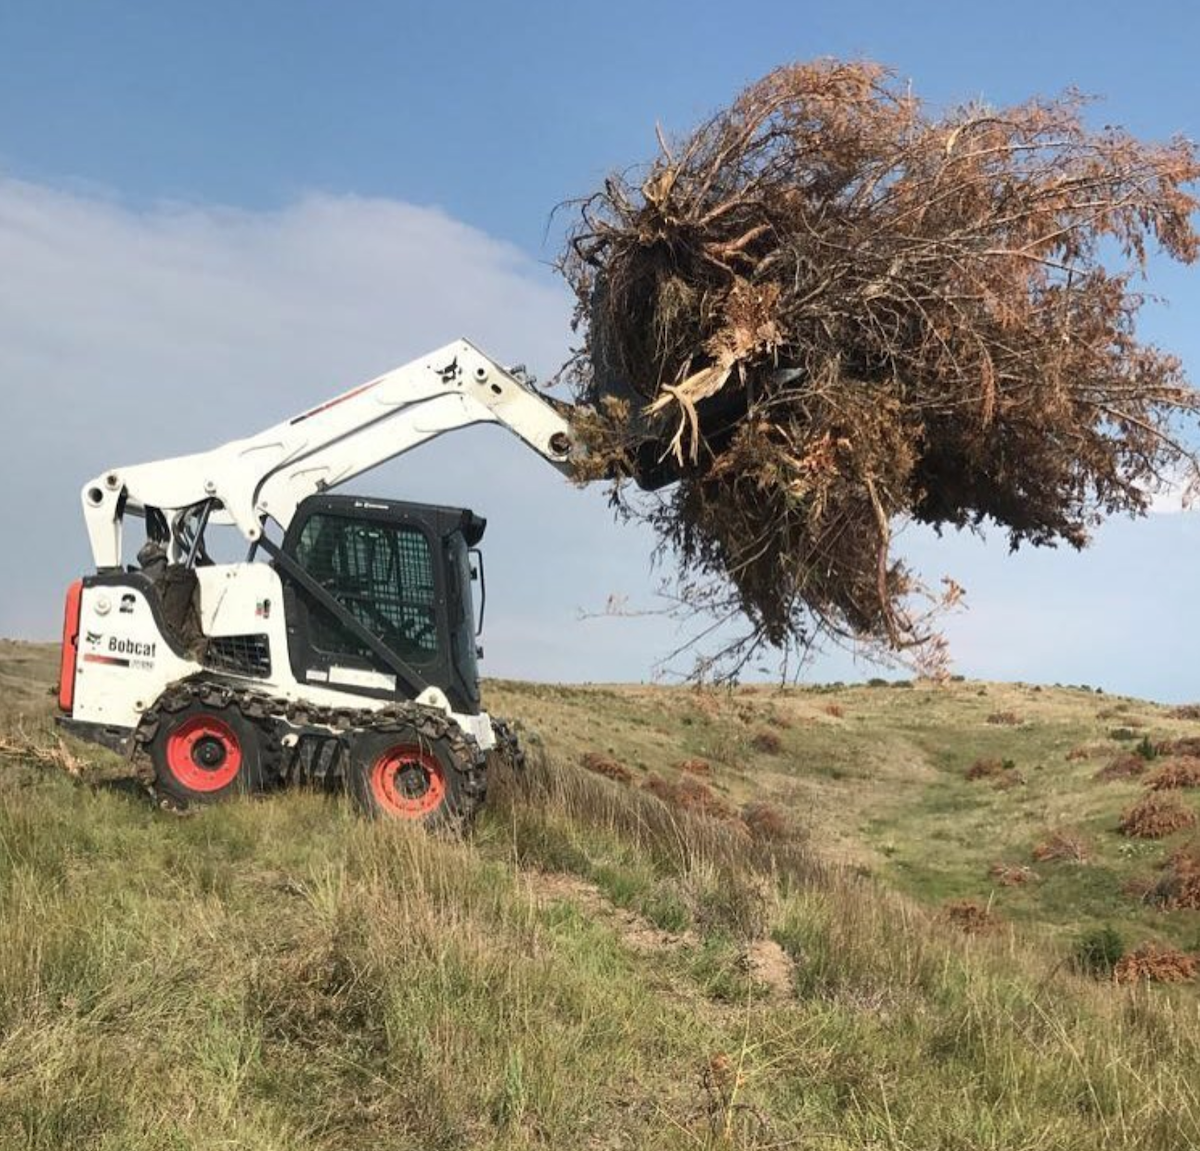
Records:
x=205, y=753
x=403, y=776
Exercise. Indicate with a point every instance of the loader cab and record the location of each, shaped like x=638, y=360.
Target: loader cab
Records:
x=380, y=601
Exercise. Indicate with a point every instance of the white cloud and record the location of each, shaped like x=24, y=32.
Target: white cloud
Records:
x=129, y=334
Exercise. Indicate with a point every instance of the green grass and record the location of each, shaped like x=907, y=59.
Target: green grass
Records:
x=575, y=973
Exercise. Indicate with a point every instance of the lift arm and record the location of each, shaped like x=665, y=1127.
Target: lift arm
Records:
x=244, y=481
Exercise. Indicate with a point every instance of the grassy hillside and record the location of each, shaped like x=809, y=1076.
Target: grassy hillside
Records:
x=876, y=777
x=593, y=967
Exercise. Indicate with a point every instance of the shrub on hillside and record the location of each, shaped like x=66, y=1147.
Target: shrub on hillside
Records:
x=1063, y=844
x=970, y=917
x=1123, y=767
x=984, y=768
x=1155, y=964
x=765, y=821
x=1156, y=815
x=1179, y=887
x=601, y=764
x=1008, y=779
x=1003, y=772
x=1098, y=952
x=767, y=742
x=1012, y=874
x=1182, y=772
x=695, y=767
x=1004, y=719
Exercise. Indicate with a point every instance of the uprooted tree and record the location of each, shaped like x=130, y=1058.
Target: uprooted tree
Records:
x=827, y=311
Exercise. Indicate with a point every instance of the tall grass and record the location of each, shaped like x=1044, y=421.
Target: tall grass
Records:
x=278, y=974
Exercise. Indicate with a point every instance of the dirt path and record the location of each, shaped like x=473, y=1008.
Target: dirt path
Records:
x=767, y=964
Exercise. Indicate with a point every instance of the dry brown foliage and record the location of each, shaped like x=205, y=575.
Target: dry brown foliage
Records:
x=827, y=309
x=692, y=795
x=1004, y=719
x=1156, y=815
x=1155, y=964
x=1181, y=772
x=766, y=822
x=1179, y=887
x=836, y=710
x=767, y=742
x=689, y=794
x=1078, y=753
x=970, y=917
x=1185, y=711
x=601, y=764
x=1012, y=874
x=695, y=767
x=1188, y=745
x=984, y=769
x=1123, y=767
x=1008, y=779
x=1062, y=844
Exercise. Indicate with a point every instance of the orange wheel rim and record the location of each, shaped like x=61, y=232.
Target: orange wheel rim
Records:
x=203, y=754
x=407, y=782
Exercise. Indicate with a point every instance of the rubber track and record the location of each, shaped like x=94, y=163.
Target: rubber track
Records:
x=267, y=711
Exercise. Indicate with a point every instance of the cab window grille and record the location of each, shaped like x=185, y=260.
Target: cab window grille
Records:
x=382, y=574
x=239, y=655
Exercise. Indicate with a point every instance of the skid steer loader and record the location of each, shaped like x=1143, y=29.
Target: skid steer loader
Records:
x=343, y=649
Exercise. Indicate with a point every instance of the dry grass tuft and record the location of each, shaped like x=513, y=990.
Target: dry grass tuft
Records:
x=695, y=767
x=1063, y=844
x=836, y=710
x=1156, y=815
x=1078, y=753
x=1185, y=711
x=1154, y=964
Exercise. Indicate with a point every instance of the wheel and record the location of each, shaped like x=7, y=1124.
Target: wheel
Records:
x=205, y=753
x=411, y=778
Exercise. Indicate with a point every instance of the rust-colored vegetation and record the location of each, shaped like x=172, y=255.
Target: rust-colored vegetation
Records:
x=829, y=308
x=601, y=764
x=1156, y=815
x=1123, y=767
x=1181, y=772
x=970, y=917
x=1154, y=964
x=1062, y=844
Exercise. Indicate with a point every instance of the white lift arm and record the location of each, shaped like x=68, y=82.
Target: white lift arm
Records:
x=270, y=473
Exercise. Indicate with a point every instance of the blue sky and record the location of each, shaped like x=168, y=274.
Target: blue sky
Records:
x=211, y=215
